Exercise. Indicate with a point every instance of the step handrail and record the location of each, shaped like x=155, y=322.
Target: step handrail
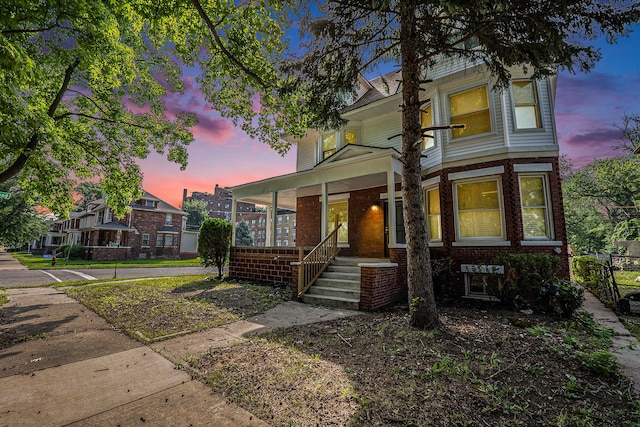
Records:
x=316, y=261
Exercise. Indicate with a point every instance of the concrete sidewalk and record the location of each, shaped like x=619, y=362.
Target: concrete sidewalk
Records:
x=7, y=262
x=625, y=346
x=70, y=367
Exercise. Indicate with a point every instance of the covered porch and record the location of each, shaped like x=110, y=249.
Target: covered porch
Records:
x=350, y=198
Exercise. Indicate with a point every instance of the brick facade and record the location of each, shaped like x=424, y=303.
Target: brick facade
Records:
x=380, y=287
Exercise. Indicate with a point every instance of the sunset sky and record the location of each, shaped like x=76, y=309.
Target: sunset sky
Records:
x=587, y=107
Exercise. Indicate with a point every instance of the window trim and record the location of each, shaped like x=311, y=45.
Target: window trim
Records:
x=428, y=143
x=514, y=106
x=490, y=107
x=168, y=219
x=491, y=240
x=142, y=241
x=426, y=212
x=547, y=207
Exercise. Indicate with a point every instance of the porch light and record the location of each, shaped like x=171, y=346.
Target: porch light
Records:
x=375, y=206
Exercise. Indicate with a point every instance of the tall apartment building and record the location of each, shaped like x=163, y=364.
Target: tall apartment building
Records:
x=219, y=206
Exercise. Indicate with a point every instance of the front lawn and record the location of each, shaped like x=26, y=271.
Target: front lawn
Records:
x=490, y=367
x=37, y=262
x=150, y=309
x=626, y=281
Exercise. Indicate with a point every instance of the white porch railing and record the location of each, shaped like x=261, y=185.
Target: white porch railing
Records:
x=317, y=261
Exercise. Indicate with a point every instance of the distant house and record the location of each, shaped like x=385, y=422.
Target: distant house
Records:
x=152, y=229
x=490, y=188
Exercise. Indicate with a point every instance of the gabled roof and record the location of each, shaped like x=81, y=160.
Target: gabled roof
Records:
x=162, y=206
x=380, y=88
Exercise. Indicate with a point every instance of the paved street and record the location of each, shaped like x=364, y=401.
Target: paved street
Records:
x=13, y=274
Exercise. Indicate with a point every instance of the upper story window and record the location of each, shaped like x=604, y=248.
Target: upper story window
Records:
x=470, y=108
x=168, y=219
x=525, y=100
x=350, y=136
x=100, y=219
x=149, y=203
x=108, y=215
x=434, y=223
x=329, y=144
x=535, y=207
x=426, y=120
x=145, y=240
x=478, y=209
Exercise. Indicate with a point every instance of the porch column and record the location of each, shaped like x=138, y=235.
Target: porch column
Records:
x=391, y=207
x=324, y=216
x=234, y=209
x=267, y=237
x=274, y=217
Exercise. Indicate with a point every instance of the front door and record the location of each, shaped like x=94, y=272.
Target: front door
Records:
x=400, y=235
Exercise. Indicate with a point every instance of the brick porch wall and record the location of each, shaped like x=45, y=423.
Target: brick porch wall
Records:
x=262, y=264
x=106, y=253
x=379, y=286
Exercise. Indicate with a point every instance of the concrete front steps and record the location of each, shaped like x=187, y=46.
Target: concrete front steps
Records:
x=339, y=285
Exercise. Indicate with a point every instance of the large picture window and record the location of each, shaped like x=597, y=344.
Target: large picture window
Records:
x=525, y=104
x=479, y=210
x=432, y=197
x=339, y=214
x=470, y=108
x=535, y=207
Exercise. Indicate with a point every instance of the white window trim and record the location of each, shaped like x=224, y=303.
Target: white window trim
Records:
x=426, y=213
x=476, y=173
x=480, y=241
x=514, y=121
x=431, y=182
x=547, y=199
x=490, y=103
x=533, y=167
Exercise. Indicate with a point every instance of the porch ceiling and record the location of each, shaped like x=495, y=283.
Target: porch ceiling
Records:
x=352, y=168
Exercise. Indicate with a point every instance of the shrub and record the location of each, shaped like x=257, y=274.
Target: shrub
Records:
x=531, y=281
x=214, y=241
x=72, y=251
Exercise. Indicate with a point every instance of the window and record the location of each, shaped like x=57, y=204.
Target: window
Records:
x=478, y=208
x=108, y=215
x=434, y=226
x=339, y=214
x=426, y=120
x=159, y=240
x=286, y=219
x=350, y=136
x=329, y=141
x=535, y=210
x=253, y=222
x=100, y=219
x=525, y=104
x=168, y=219
x=470, y=108
x=145, y=240
x=286, y=231
x=168, y=239
x=149, y=203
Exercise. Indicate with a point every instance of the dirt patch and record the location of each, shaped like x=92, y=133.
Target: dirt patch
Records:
x=489, y=369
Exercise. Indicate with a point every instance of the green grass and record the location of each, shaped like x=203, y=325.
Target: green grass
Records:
x=37, y=262
x=150, y=309
x=626, y=281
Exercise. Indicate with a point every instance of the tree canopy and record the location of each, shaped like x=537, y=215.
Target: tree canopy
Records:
x=83, y=86
x=347, y=38
x=19, y=221
x=197, y=210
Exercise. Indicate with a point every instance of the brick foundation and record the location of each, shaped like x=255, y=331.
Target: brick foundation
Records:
x=379, y=286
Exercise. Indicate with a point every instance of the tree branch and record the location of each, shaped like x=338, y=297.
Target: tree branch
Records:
x=21, y=160
x=223, y=49
x=102, y=119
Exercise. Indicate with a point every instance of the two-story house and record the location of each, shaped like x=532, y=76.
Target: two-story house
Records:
x=152, y=229
x=490, y=187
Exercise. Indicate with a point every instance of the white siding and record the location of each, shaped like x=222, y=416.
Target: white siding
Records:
x=307, y=152
x=376, y=132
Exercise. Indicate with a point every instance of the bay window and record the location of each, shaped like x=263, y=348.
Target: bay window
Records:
x=470, y=108
x=535, y=207
x=478, y=209
x=525, y=104
x=426, y=120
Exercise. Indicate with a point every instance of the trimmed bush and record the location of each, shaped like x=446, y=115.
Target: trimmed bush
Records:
x=72, y=251
x=214, y=242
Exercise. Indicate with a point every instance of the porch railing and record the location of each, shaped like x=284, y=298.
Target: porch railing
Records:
x=317, y=261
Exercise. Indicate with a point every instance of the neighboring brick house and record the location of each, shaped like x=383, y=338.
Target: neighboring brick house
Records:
x=218, y=203
x=490, y=188
x=152, y=229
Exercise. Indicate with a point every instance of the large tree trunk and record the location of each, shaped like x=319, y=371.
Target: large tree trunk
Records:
x=424, y=314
